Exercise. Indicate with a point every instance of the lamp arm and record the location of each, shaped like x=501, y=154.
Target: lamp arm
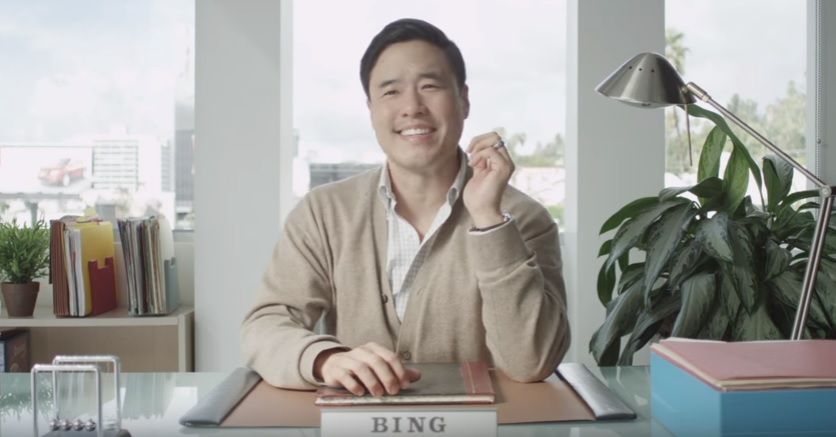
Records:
x=700, y=93
x=812, y=268
x=820, y=233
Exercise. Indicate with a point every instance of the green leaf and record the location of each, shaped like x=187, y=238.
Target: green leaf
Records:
x=717, y=324
x=713, y=236
x=720, y=122
x=777, y=259
x=712, y=151
x=698, y=293
x=826, y=295
x=742, y=270
x=630, y=276
x=647, y=325
x=606, y=282
x=710, y=187
x=621, y=318
x=777, y=175
x=627, y=212
x=685, y=261
x=605, y=249
x=755, y=326
x=24, y=251
x=798, y=195
x=736, y=180
x=631, y=232
x=731, y=299
x=786, y=289
x=663, y=240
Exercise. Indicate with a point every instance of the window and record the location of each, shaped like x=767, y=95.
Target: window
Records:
x=516, y=73
x=98, y=108
x=754, y=64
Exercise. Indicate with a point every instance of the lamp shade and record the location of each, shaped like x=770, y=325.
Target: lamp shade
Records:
x=647, y=80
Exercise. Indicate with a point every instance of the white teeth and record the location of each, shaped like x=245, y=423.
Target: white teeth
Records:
x=415, y=131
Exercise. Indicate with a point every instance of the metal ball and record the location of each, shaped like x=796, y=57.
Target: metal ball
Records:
x=65, y=424
x=78, y=424
x=90, y=425
x=54, y=423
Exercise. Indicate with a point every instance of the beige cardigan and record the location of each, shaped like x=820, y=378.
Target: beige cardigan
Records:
x=497, y=297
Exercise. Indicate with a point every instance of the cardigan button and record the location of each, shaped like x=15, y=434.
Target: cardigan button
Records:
x=385, y=298
x=406, y=355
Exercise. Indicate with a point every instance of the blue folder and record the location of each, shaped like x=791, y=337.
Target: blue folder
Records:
x=687, y=406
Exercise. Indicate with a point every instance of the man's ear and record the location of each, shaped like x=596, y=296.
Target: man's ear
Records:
x=465, y=101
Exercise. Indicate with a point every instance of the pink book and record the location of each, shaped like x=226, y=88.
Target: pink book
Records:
x=754, y=365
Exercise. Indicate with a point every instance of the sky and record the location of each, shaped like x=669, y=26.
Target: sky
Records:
x=515, y=51
x=82, y=67
x=100, y=65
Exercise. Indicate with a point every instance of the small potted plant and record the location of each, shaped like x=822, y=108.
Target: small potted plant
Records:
x=24, y=257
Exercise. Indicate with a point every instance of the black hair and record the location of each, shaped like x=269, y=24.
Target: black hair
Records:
x=409, y=29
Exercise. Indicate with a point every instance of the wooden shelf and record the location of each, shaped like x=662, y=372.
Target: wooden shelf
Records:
x=44, y=318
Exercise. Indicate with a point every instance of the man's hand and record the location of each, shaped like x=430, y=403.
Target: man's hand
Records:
x=370, y=367
x=492, y=168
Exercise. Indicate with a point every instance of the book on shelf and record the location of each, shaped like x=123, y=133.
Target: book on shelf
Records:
x=440, y=383
x=150, y=266
x=82, y=269
x=754, y=365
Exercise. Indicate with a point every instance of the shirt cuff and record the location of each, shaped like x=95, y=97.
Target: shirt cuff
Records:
x=476, y=231
x=306, y=362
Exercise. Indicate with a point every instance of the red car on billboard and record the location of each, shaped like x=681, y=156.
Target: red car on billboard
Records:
x=65, y=172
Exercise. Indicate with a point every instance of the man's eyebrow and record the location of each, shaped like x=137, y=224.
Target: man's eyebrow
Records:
x=434, y=75
x=388, y=82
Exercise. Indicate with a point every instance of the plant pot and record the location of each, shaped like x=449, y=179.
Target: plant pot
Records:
x=20, y=298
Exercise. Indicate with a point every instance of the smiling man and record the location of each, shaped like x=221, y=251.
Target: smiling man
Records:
x=431, y=258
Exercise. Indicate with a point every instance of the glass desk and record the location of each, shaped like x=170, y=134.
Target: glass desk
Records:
x=154, y=402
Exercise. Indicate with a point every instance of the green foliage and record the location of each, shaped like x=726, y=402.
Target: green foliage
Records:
x=782, y=121
x=24, y=251
x=717, y=267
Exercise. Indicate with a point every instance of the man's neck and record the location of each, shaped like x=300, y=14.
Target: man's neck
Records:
x=420, y=195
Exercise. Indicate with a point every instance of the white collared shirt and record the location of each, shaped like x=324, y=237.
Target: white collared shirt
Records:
x=406, y=252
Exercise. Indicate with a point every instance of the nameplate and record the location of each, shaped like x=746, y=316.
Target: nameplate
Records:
x=361, y=421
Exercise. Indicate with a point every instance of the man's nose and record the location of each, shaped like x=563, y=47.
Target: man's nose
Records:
x=413, y=104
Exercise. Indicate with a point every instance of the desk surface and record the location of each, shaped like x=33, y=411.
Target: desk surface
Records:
x=154, y=402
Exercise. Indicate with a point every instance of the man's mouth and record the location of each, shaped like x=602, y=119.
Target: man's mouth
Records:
x=416, y=131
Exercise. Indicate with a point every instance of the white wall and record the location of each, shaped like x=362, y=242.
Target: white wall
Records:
x=615, y=153
x=237, y=89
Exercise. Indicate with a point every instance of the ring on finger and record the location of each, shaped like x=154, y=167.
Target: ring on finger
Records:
x=499, y=144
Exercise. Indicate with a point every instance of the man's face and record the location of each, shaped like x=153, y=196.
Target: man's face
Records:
x=416, y=106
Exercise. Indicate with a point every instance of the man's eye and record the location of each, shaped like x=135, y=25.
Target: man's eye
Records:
x=390, y=93
x=430, y=86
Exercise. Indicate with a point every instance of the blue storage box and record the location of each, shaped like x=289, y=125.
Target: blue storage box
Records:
x=687, y=406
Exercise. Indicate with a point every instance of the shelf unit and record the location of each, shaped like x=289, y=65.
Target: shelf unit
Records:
x=143, y=343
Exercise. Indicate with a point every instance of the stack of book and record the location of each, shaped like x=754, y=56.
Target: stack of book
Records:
x=150, y=266
x=701, y=387
x=82, y=268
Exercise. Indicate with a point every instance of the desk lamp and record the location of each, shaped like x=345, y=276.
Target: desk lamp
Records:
x=648, y=80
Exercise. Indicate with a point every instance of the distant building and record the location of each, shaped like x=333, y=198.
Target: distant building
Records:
x=167, y=166
x=184, y=138
x=321, y=173
x=116, y=163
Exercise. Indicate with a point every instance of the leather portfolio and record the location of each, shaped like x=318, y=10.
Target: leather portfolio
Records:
x=244, y=400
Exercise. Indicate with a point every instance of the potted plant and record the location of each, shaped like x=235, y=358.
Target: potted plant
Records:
x=24, y=257
x=715, y=264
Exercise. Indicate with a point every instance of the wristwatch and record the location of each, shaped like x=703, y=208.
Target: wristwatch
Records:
x=506, y=217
